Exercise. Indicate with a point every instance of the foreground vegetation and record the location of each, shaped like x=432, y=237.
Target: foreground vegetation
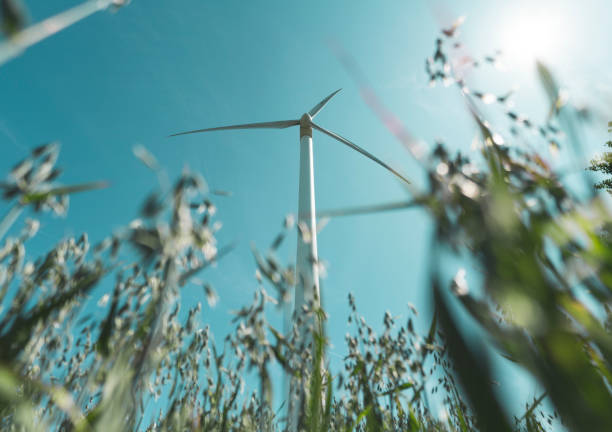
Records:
x=538, y=248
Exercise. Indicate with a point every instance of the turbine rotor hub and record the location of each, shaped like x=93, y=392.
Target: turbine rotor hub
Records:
x=306, y=125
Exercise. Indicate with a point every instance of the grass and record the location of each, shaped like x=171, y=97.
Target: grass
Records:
x=506, y=214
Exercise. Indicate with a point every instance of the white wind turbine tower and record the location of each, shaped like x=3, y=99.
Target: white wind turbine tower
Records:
x=307, y=275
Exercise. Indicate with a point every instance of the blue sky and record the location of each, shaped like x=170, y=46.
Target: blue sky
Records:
x=117, y=80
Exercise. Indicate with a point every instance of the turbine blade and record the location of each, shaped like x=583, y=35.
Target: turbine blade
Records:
x=376, y=208
x=360, y=150
x=318, y=107
x=263, y=125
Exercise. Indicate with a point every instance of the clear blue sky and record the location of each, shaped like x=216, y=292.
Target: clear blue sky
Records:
x=157, y=67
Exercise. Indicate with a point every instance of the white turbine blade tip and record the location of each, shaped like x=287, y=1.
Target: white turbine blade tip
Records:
x=318, y=107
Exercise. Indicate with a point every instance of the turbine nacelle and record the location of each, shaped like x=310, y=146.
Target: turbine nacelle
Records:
x=306, y=125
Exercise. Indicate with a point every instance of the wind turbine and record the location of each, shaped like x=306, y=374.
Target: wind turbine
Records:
x=307, y=274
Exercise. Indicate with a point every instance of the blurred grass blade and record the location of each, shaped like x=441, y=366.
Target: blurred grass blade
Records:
x=551, y=88
x=146, y=157
x=62, y=190
x=29, y=36
x=9, y=385
x=431, y=335
x=386, y=116
x=472, y=369
x=13, y=339
x=360, y=417
x=327, y=415
x=567, y=120
x=184, y=278
x=396, y=389
x=221, y=192
x=533, y=406
x=9, y=219
x=13, y=16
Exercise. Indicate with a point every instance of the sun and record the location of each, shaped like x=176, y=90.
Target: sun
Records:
x=533, y=35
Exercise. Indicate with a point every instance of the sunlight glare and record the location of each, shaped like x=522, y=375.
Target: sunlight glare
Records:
x=531, y=36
